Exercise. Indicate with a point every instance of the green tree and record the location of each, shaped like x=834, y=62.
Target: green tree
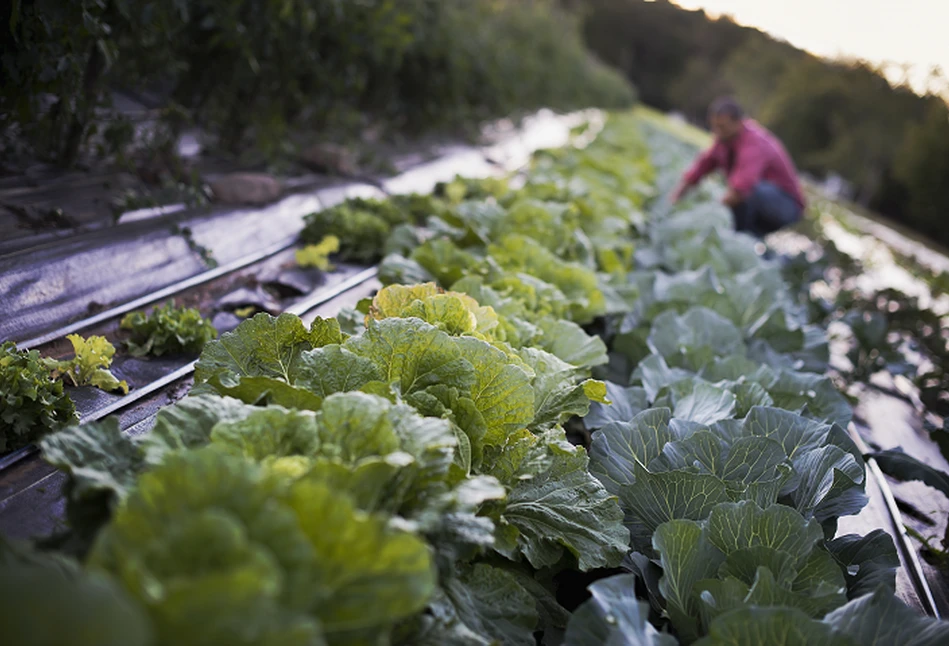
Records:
x=922, y=165
x=844, y=118
x=754, y=70
x=699, y=83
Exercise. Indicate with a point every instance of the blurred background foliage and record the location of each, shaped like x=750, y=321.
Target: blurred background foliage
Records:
x=842, y=117
x=263, y=75
x=251, y=72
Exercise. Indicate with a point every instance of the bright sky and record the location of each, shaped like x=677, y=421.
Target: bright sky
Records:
x=901, y=31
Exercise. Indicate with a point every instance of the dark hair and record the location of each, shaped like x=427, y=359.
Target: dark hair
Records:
x=727, y=106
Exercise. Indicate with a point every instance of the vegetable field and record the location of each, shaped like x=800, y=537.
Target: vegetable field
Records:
x=572, y=415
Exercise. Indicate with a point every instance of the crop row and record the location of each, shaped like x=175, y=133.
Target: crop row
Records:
x=409, y=472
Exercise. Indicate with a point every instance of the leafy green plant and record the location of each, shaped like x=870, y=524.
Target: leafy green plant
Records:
x=662, y=467
x=249, y=552
x=317, y=255
x=361, y=227
x=89, y=365
x=79, y=607
x=871, y=350
x=167, y=330
x=31, y=403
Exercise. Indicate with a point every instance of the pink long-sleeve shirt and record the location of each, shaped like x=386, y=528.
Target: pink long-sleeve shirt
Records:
x=758, y=155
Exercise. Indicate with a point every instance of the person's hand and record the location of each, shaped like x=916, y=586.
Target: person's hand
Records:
x=677, y=193
x=732, y=198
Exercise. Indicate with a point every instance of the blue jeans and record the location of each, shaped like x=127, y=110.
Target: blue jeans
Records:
x=766, y=210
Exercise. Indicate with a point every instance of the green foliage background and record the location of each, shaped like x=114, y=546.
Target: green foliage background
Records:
x=249, y=72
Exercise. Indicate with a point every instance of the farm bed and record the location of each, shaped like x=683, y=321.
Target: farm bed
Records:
x=563, y=383
x=86, y=282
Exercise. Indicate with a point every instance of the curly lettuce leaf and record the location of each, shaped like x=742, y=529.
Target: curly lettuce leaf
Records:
x=167, y=330
x=318, y=255
x=89, y=365
x=453, y=312
x=31, y=403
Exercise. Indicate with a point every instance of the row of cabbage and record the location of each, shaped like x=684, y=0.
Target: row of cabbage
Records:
x=402, y=474
x=404, y=477
x=726, y=447
x=723, y=441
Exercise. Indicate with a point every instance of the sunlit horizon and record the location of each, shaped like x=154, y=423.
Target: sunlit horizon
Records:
x=911, y=32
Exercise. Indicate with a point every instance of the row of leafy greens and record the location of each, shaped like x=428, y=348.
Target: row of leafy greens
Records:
x=431, y=433
x=727, y=449
x=402, y=474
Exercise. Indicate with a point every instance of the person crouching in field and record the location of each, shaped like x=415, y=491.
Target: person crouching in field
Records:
x=764, y=193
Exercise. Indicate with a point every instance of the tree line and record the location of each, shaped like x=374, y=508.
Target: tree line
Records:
x=890, y=143
x=254, y=75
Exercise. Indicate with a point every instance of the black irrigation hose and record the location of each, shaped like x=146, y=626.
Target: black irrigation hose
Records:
x=156, y=296
x=300, y=308
x=905, y=546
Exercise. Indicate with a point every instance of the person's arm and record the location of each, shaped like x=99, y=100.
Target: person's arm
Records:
x=705, y=164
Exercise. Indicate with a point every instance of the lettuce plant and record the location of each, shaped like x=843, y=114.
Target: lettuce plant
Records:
x=317, y=255
x=360, y=225
x=167, y=330
x=89, y=365
x=427, y=432
x=486, y=471
x=31, y=403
